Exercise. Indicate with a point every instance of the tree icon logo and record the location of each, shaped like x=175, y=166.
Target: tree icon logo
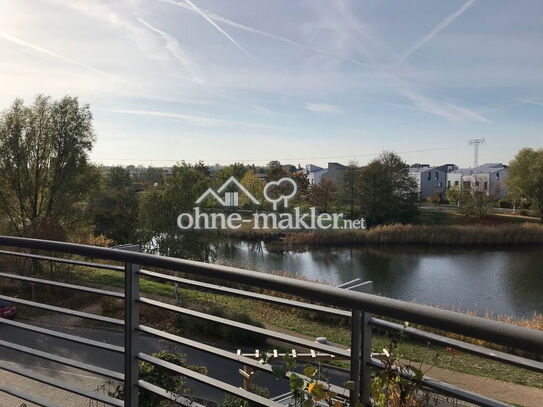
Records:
x=281, y=198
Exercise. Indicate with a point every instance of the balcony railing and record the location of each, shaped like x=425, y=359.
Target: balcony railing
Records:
x=360, y=308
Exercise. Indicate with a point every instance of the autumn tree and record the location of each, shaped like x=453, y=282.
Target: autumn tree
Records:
x=525, y=177
x=44, y=170
x=255, y=186
x=323, y=195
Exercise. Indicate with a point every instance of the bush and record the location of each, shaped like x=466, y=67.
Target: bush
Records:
x=210, y=330
x=505, y=203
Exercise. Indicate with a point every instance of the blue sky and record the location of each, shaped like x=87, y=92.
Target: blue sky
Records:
x=299, y=80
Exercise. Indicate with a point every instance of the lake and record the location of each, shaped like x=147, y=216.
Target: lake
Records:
x=507, y=281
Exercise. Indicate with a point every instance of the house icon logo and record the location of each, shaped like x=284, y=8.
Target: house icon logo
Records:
x=230, y=199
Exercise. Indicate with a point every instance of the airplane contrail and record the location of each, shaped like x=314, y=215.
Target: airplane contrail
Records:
x=442, y=25
x=53, y=54
x=214, y=24
x=224, y=20
x=173, y=46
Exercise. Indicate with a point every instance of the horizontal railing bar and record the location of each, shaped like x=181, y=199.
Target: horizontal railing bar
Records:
x=26, y=397
x=255, y=364
x=461, y=345
x=476, y=327
x=64, y=336
x=206, y=348
x=227, y=388
x=65, y=311
x=249, y=294
x=176, y=398
x=251, y=328
x=451, y=390
x=61, y=260
x=61, y=385
x=63, y=285
x=62, y=360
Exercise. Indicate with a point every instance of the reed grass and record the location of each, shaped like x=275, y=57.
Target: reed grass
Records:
x=509, y=234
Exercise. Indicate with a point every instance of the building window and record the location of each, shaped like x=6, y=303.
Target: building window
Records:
x=437, y=175
x=455, y=183
x=439, y=184
x=497, y=175
x=449, y=184
x=485, y=185
x=476, y=183
x=429, y=175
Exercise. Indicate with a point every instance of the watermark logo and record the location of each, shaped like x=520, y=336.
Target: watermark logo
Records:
x=278, y=194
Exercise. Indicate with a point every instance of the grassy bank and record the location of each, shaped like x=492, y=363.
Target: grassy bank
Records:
x=313, y=325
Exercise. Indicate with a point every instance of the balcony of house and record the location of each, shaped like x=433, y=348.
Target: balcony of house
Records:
x=119, y=356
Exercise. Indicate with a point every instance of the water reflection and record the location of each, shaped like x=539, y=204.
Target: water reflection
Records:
x=500, y=281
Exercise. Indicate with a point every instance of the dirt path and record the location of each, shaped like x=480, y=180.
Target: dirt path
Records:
x=504, y=391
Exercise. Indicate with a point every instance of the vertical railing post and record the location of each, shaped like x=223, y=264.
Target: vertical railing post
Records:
x=356, y=347
x=361, y=350
x=365, y=371
x=131, y=322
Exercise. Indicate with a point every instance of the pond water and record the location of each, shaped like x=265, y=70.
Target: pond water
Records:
x=507, y=281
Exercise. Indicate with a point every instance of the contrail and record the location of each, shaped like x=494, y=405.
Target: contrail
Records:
x=224, y=20
x=173, y=46
x=53, y=54
x=214, y=24
x=443, y=24
x=193, y=119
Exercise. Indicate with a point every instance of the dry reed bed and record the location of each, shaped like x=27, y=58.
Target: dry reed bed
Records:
x=518, y=234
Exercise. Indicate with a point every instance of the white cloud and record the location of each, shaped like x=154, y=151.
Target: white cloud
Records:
x=324, y=108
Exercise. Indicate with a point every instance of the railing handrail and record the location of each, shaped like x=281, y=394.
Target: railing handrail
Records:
x=477, y=327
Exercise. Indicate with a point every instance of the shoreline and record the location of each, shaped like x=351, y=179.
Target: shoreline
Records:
x=402, y=235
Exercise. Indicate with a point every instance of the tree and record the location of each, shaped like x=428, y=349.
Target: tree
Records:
x=159, y=208
x=44, y=169
x=236, y=170
x=275, y=171
x=113, y=209
x=349, y=189
x=323, y=194
x=525, y=176
x=118, y=177
x=387, y=192
x=254, y=185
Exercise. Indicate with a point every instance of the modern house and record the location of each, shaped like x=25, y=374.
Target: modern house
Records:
x=430, y=181
x=489, y=178
x=316, y=174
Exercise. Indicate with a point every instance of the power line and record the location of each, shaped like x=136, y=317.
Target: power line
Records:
x=285, y=158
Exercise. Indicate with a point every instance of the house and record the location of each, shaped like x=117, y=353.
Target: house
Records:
x=315, y=174
x=430, y=181
x=489, y=178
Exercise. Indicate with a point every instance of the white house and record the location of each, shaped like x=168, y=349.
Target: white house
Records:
x=316, y=174
x=430, y=181
x=489, y=178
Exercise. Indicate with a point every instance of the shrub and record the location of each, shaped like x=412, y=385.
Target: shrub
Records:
x=505, y=203
x=211, y=330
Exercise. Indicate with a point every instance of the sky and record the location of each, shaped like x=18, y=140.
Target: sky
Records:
x=300, y=81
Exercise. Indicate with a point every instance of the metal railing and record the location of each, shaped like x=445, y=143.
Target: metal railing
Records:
x=358, y=307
